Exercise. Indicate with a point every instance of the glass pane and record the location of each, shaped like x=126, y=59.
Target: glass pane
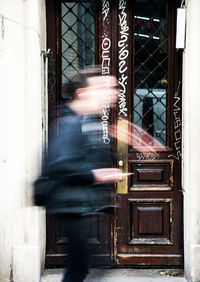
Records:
x=151, y=66
x=78, y=36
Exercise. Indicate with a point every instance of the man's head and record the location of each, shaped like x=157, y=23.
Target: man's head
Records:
x=90, y=89
x=79, y=80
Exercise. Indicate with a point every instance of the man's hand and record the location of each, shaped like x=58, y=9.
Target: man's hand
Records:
x=107, y=175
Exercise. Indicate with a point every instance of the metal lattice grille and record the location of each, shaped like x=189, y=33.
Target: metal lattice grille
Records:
x=151, y=67
x=78, y=36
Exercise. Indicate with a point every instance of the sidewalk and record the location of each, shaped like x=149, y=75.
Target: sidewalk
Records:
x=121, y=275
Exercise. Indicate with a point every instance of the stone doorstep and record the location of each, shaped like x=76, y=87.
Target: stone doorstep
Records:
x=121, y=275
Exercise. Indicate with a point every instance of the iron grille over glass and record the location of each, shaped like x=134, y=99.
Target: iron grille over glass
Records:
x=151, y=66
x=78, y=36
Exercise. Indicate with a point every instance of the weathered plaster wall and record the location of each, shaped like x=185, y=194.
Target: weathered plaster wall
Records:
x=22, y=235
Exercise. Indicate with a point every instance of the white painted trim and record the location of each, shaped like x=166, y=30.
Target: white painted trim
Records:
x=191, y=144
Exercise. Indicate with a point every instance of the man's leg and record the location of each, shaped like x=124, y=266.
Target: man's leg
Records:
x=78, y=259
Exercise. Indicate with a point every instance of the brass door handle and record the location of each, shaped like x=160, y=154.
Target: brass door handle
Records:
x=122, y=159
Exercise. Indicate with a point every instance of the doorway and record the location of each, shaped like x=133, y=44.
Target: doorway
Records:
x=134, y=40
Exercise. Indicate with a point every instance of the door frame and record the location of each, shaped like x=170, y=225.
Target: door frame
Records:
x=53, y=26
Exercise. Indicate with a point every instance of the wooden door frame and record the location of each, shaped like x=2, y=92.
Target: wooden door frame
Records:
x=53, y=27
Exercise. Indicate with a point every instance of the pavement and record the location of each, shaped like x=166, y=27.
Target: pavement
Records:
x=121, y=275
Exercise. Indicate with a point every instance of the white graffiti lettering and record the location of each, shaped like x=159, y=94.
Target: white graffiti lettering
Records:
x=146, y=156
x=121, y=65
x=106, y=44
x=177, y=129
x=105, y=66
x=123, y=55
x=105, y=119
x=105, y=9
x=122, y=95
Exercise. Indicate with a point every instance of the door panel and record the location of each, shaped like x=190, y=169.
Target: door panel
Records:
x=56, y=246
x=133, y=40
x=151, y=176
x=148, y=225
x=72, y=36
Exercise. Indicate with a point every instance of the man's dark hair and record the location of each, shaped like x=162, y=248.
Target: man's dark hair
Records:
x=79, y=80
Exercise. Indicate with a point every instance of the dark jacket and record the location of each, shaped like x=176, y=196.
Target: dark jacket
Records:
x=72, y=155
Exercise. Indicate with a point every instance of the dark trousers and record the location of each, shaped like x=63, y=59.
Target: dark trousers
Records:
x=77, y=266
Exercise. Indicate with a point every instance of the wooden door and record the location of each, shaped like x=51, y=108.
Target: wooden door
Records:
x=133, y=40
x=72, y=29
x=148, y=226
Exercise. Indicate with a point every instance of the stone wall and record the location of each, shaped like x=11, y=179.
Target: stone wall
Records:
x=22, y=231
